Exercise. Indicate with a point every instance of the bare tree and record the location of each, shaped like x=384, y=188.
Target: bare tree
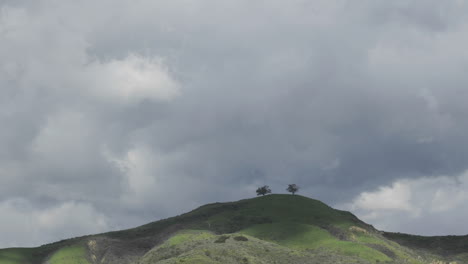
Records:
x=263, y=190
x=292, y=188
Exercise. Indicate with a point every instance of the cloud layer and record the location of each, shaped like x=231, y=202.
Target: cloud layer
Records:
x=129, y=111
x=426, y=206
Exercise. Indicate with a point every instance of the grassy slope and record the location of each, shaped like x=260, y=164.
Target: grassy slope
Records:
x=281, y=228
x=203, y=247
x=456, y=247
x=278, y=208
x=299, y=236
x=15, y=255
x=71, y=255
x=75, y=254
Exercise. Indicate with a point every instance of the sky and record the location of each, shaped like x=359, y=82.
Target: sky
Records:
x=115, y=113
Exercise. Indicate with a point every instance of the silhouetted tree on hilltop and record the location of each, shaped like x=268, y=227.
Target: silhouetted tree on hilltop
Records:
x=292, y=188
x=263, y=190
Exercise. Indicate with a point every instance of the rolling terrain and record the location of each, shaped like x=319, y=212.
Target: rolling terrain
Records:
x=269, y=229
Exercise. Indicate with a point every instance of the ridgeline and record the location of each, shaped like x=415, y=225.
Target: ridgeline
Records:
x=270, y=229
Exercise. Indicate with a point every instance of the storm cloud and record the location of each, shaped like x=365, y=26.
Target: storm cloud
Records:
x=123, y=112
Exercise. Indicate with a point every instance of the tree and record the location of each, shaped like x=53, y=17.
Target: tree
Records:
x=292, y=188
x=263, y=190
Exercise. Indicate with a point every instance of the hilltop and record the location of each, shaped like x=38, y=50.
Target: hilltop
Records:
x=269, y=229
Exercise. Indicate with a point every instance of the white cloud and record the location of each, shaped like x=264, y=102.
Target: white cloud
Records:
x=140, y=168
x=44, y=51
x=431, y=204
x=22, y=224
x=146, y=178
x=201, y=101
x=129, y=80
x=395, y=197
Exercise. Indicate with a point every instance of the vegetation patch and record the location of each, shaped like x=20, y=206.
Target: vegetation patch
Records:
x=222, y=239
x=290, y=234
x=272, y=229
x=188, y=236
x=240, y=238
x=383, y=249
x=299, y=236
x=15, y=255
x=70, y=255
x=443, y=245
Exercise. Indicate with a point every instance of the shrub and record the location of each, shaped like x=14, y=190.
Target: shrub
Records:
x=241, y=238
x=222, y=239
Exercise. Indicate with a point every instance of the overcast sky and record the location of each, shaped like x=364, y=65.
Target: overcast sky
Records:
x=114, y=113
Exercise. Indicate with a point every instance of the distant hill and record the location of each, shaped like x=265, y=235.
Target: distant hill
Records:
x=270, y=229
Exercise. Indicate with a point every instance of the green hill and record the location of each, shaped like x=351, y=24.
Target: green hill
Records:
x=269, y=229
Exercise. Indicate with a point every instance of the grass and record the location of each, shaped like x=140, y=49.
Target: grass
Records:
x=292, y=235
x=204, y=247
x=284, y=208
x=70, y=255
x=188, y=236
x=234, y=216
x=15, y=255
x=301, y=236
x=444, y=245
x=274, y=229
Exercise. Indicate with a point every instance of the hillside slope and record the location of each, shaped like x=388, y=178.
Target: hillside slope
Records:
x=270, y=229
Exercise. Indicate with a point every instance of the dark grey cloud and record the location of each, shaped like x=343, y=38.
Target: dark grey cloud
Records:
x=130, y=111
